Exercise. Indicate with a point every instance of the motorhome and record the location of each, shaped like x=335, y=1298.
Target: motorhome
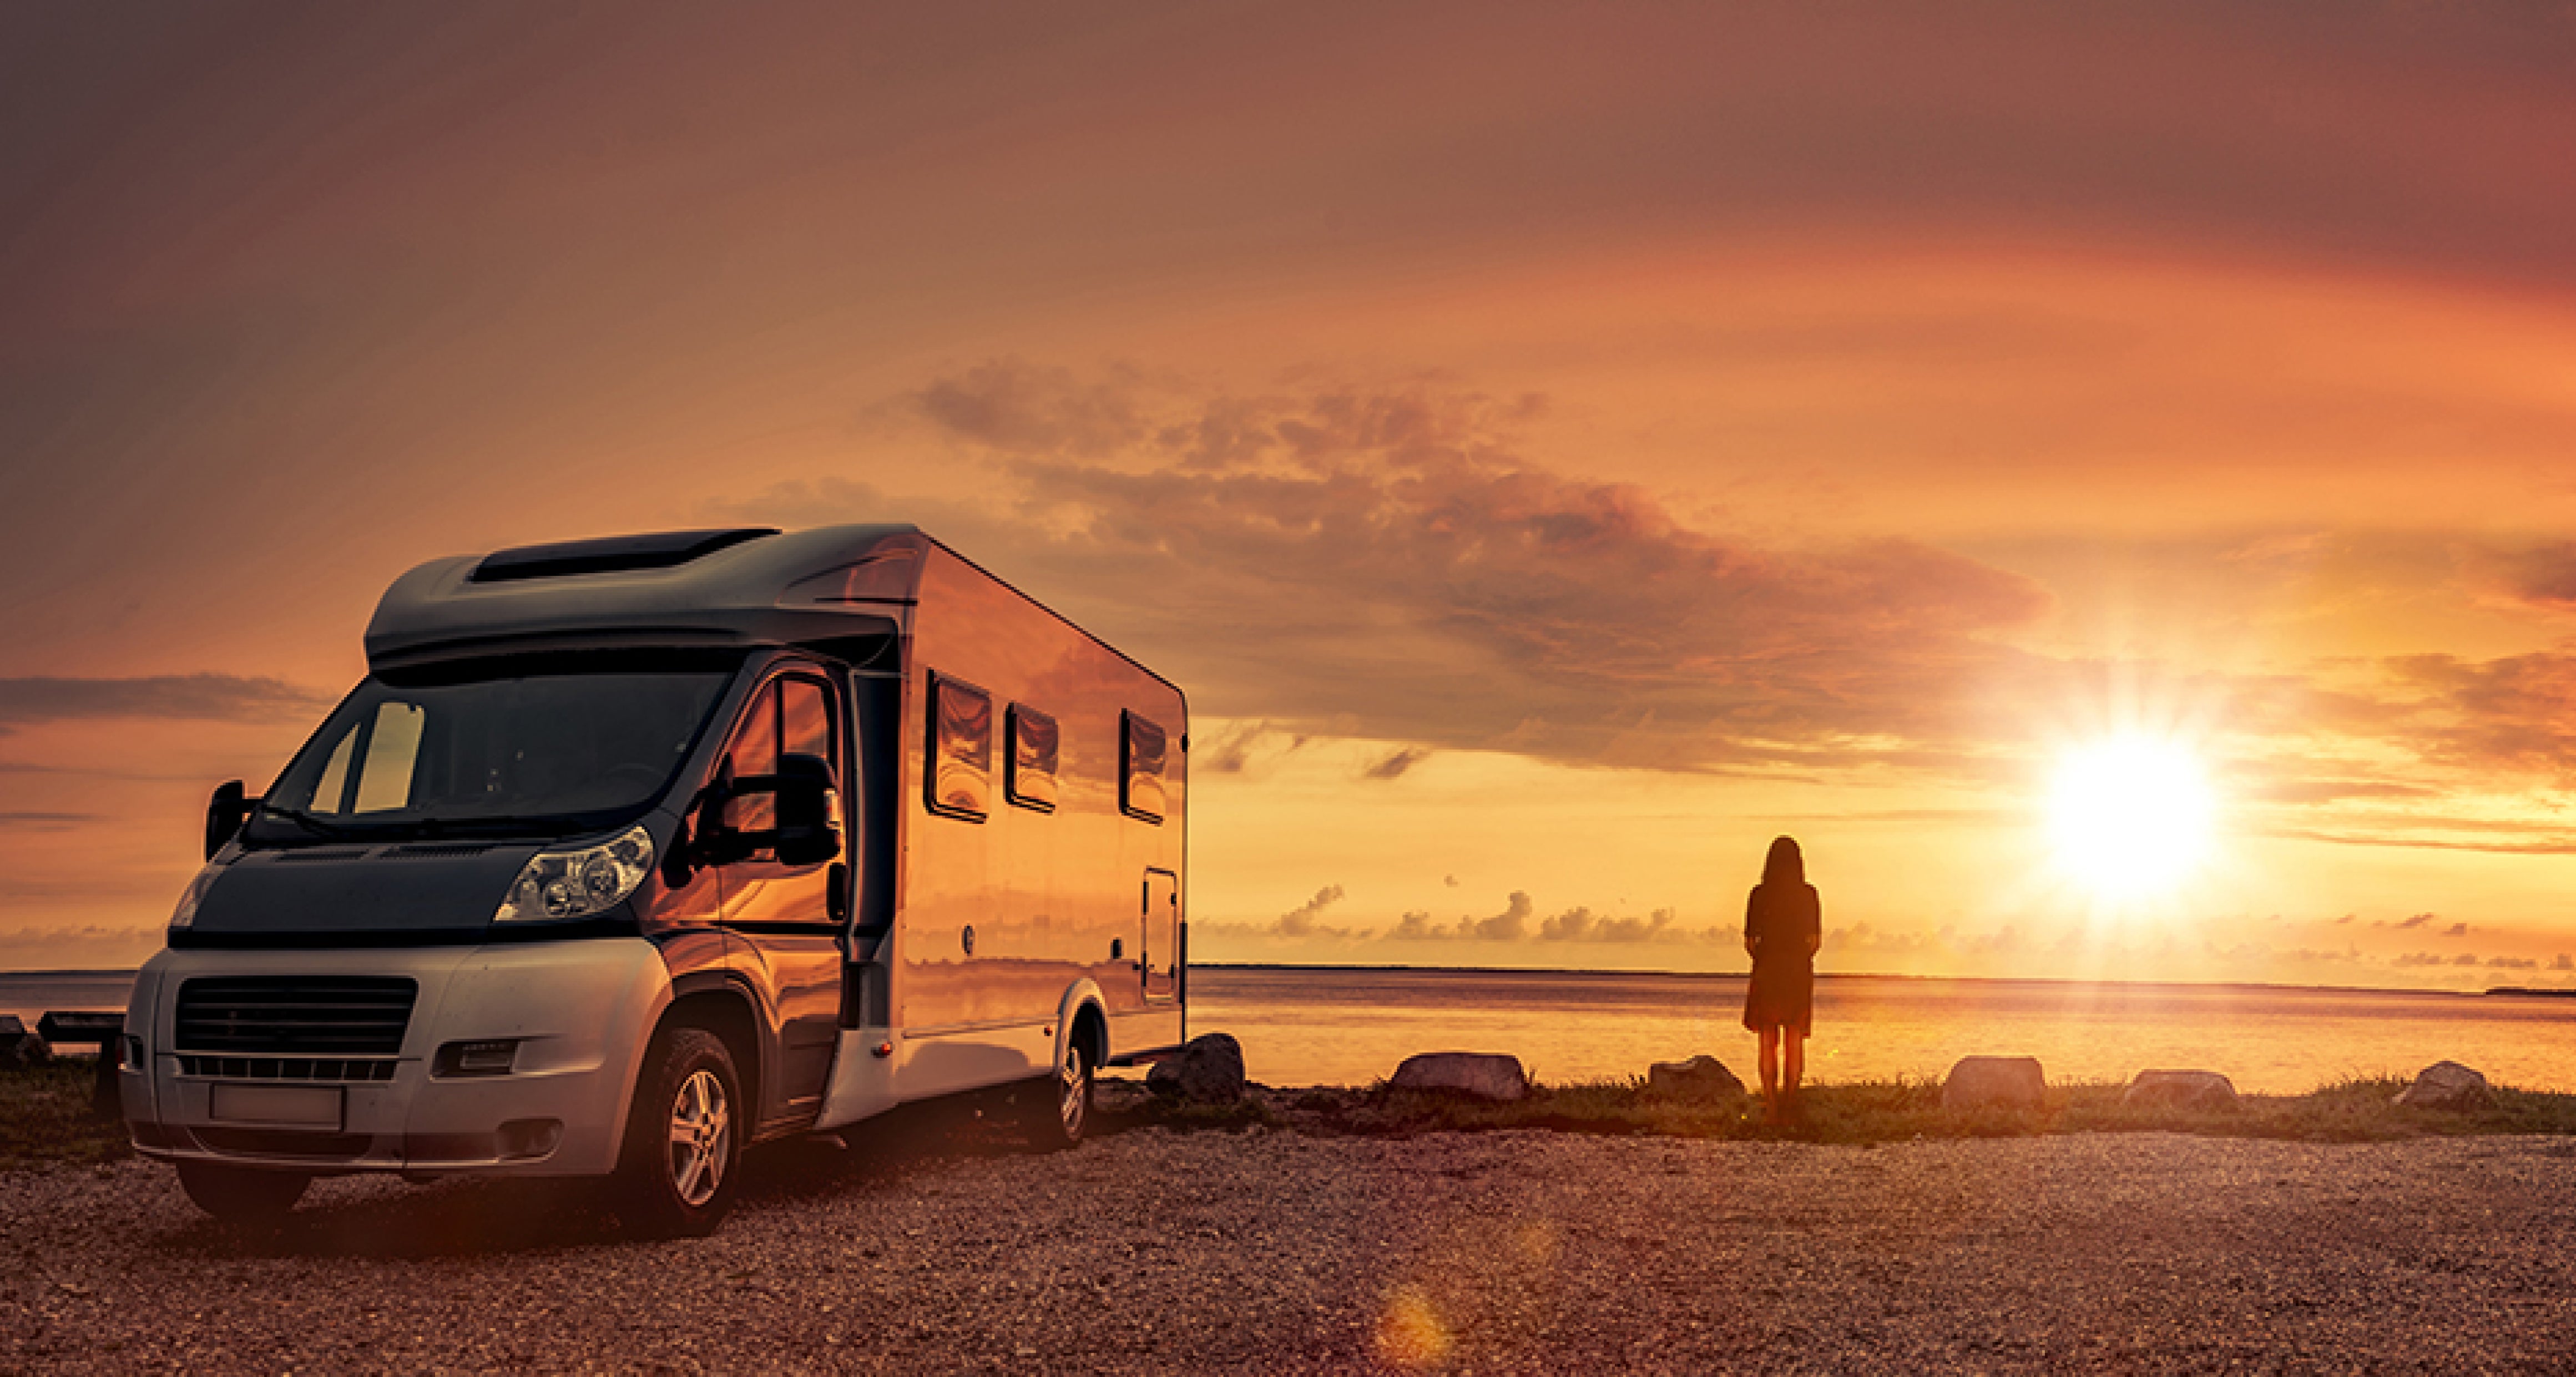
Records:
x=629, y=853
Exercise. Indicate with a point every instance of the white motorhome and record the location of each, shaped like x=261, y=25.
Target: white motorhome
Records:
x=628, y=853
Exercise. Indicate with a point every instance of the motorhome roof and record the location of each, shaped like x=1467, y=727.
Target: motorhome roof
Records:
x=735, y=586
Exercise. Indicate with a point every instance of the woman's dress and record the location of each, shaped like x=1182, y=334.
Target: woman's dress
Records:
x=1781, y=923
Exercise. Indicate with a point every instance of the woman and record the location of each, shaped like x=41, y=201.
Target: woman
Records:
x=1783, y=926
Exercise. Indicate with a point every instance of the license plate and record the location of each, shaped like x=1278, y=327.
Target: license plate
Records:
x=297, y=1106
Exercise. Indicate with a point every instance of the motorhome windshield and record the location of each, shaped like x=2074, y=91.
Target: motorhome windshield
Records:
x=524, y=749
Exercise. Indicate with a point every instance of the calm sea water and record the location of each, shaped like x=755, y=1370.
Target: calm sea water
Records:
x=1351, y=1027
x=1303, y=1026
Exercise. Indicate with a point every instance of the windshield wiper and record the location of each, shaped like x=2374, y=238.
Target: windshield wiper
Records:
x=310, y=823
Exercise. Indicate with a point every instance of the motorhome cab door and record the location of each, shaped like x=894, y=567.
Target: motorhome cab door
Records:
x=789, y=917
x=1161, y=940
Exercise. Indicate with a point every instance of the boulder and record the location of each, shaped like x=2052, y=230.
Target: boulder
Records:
x=2179, y=1090
x=2446, y=1085
x=1701, y=1078
x=1207, y=1070
x=20, y=1048
x=1484, y=1075
x=1993, y=1083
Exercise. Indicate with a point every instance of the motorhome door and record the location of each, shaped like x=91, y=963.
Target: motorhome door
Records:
x=1161, y=941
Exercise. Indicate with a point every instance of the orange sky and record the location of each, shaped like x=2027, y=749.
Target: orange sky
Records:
x=1559, y=448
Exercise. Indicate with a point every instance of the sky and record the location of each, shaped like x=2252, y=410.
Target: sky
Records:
x=1558, y=448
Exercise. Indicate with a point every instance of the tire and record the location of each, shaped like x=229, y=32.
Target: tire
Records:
x=242, y=1195
x=1058, y=1109
x=677, y=1174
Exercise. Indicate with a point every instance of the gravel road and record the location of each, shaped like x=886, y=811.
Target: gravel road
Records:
x=1271, y=1251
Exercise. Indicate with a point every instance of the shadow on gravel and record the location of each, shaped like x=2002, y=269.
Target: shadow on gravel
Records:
x=467, y=1217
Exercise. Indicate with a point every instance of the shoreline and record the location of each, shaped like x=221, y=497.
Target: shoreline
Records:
x=127, y=973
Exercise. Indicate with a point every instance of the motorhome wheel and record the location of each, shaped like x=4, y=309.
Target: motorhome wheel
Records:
x=683, y=1141
x=1058, y=1119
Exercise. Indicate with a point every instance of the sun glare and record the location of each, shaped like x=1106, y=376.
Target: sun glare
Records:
x=2131, y=817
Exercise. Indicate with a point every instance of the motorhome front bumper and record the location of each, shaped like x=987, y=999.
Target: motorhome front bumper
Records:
x=513, y=1058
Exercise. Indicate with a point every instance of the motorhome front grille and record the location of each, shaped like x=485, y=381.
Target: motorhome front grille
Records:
x=289, y=1068
x=294, y=1015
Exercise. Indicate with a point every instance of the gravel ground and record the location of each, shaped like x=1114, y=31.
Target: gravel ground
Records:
x=1270, y=1251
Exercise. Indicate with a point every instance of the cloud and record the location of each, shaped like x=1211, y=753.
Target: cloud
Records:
x=2417, y=921
x=1300, y=921
x=183, y=697
x=2466, y=958
x=1580, y=925
x=2513, y=963
x=1510, y=925
x=2544, y=576
x=2456, y=930
x=50, y=819
x=1242, y=747
x=2515, y=714
x=1382, y=561
x=1394, y=766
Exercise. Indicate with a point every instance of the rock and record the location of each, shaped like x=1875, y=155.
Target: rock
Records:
x=1485, y=1075
x=1993, y=1083
x=2446, y=1085
x=2179, y=1090
x=1701, y=1078
x=20, y=1048
x=1208, y=1070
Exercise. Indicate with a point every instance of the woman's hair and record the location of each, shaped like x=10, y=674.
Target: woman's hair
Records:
x=1784, y=866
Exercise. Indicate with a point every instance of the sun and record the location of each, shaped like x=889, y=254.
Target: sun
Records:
x=2131, y=816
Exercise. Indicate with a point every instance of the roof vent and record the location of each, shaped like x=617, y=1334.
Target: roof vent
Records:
x=615, y=554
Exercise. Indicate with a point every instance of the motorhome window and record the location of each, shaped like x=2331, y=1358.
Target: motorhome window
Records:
x=792, y=716
x=513, y=754
x=805, y=719
x=1031, y=782
x=755, y=752
x=1140, y=769
x=961, y=748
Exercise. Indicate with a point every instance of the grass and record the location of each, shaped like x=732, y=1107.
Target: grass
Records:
x=45, y=1117
x=1867, y=1112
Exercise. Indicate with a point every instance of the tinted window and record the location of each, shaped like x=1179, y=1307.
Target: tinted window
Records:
x=1140, y=774
x=499, y=753
x=755, y=752
x=961, y=747
x=1032, y=778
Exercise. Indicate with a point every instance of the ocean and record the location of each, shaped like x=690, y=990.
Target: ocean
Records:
x=1334, y=1026
x=1307, y=1026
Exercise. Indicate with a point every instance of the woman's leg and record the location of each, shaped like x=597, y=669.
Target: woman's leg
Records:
x=1770, y=1064
x=1796, y=1057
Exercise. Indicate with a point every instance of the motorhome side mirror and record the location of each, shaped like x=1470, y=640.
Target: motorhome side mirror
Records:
x=225, y=814
x=809, y=831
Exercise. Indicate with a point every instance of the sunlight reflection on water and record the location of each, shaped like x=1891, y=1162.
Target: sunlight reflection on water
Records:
x=1342, y=1027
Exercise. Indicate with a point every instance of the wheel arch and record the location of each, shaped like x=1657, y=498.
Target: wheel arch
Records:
x=1082, y=1019
x=726, y=1008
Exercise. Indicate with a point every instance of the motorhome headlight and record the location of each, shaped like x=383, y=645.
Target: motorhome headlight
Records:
x=577, y=884
x=186, y=913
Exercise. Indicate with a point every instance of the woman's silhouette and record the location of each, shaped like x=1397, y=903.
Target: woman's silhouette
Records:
x=1783, y=926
